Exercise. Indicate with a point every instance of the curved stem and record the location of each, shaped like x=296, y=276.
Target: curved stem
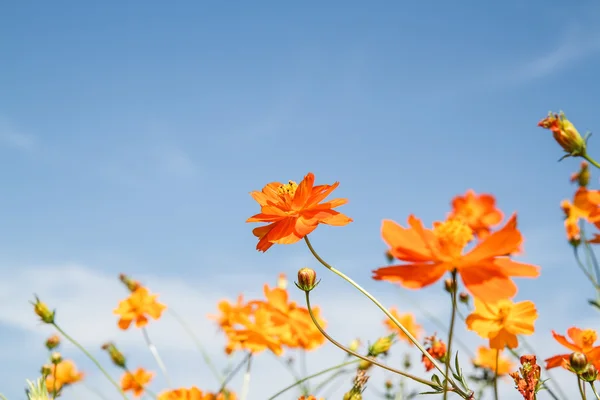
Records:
x=233, y=372
x=590, y=160
x=584, y=270
x=594, y=390
x=451, y=329
x=293, y=385
x=581, y=388
x=355, y=354
x=496, y=375
x=198, y=344
x=389, y=315
x=156, y=356
x=80, y=347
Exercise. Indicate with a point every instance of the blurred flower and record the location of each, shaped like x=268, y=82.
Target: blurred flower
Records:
x=486, y=358
x=479, y=212
x=135, y=308
x=585, y=206
x=436, y=348
x=582, y=341
x=292, y=211
x=52, y=342
x=408, y=321
x=527, y=379
x=62, y=374
x=428, y=254
x=582, y=177
x=135, y=381
x=42, y=311
x=502, y=321
x=564, y=133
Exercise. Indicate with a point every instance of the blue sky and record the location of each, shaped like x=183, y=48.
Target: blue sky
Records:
x=131, y=135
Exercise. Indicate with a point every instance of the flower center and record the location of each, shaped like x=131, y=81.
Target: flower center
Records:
x=588, y=338
x=289, y=188
x=503, y=312
x=452, y=236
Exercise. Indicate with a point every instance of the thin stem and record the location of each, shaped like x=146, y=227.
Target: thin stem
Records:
x=80, y=347
x=287, y=365
x=496, y=375
x=355, y=354
x=584, y=270
x=246, y=383
x=234, y=371
x=581, y=388
x=389, y=315
x=198, y=344
x=547, y=371
x=594, y=390
x=590, y=160
x=327, y=381
x=591, y=256
x=451, y=329
x=156, y=356
x=293, y=385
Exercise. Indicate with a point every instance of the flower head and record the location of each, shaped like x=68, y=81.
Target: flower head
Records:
x=502, y=321
x=564, y=133
x=62, y=373
x=192, y=393
x=408, y=321
x=478, y=211
x=527, y=379
x=486, y=271
x=582, y=341
x=436, y=348
x=137, y=307
x=486, y=358
x=135, y=381
x=585, y=206
x=52, y=342
x=293, y=210
x=42, y=311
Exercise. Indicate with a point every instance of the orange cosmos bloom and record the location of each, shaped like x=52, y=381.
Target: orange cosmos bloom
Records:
x=585, y=206
x=527, y=377
x=293, y=211
x=502, y=321
x=428, y=254
x=486, y=358
x=311, y=397
x=226, y=395
x=135, y=308
x=408, y=321
x=136, y=381
x=62, y=374
x=582, y=341
x=437, y=349
x=564, y=133
x=479, y=212
x=192, y=393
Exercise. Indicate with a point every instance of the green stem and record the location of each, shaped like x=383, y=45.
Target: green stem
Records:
x=584, y=270
x=304, y=388
x=293, y=385
x=389, y=315
x=156, y=356
x=233, y=372
x=355, y=354
x=451, y=329
x=581, y=388
x=80, y=347
x=327, y=381
x=496, y=375
x=594, y=390
x=199, y=346
x=246, y=384
x=590, y=160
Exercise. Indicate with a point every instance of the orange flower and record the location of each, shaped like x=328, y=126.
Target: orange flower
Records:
x=428, y=254
x=502, y=321
x=62, y=374
x=582, y=341
x=564, y=133
x=136, y=381
x=226, y=395
x=136, y=306
x=479, y=212
x=585, y=206
x=192, y=393
x=311, y=397
x=527, y=378
x=293, y=211
x=407, y=320
x=486, y=358
x=437, y=349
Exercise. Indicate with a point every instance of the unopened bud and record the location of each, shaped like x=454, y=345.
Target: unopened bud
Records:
x=52, y=342
x=578, y=361
x=307, y=279
x=46, y=370
x=364, y=365
x=352, y=395
x=381, y=346
x=463, y=297
x=55, y=357
x=407, y=363
x=389, y=257
x=449, y=285
x=565, y=134
x=42, y=311
x=131, y=284
x=115, y=355
x=354, y=345
x=589, y=373
x=582, y=177
x=389, y=385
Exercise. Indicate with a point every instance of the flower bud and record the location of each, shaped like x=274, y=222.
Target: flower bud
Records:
x=449, y=286
x=131, y=284
x=578, y=361
x=42, y=311
x=381, y=346
x=55, y=357
x=115, y=355
x=352, y=395
x=364, y=365
x=307, y=279
x=589, y=373
x=354, y=345
x=582, y=177
x=407, y=364
x=389, y=385
x=564, y=133
x=52, y=342
x=463, y=297
x=389, y=257
x=46, y=370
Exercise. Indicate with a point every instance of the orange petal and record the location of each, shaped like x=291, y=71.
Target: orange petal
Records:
x=513, y=268
x=556, y=361
x=405, y=244
x=563, y=340
x=303, y=191
x=412, y=276
x=488, y=283
x=502, y=242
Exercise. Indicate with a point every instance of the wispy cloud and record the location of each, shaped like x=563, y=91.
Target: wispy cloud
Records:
x=10, y=136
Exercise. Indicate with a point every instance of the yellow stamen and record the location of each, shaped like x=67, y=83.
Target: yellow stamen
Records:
x=588, y=338
x=452, y=236
x=503, y=312
x=289, y=188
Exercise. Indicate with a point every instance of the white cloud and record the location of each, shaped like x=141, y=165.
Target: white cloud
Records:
x=12, y=137
x=84, y=299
